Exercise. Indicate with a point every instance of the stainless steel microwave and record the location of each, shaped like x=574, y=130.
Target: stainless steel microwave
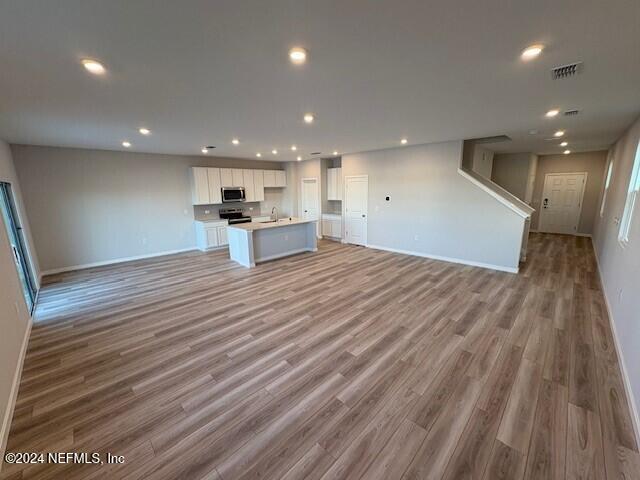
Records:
x=233, y=194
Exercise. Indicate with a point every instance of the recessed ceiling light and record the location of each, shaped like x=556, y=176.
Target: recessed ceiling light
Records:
x=144, y=131
x=559, y=133
x=235, y=141
x=532, y=52
x=308, y=118
x=564, y=144
x=274, y=151
x=552, y=113
x=335, y=152
x=293, y=148
x=94, y=67
x=567, y=152
x=298, y=55
x=403, y=141
x=126, y=144
x=258, y=154
x=205, y=150
x=299, y=158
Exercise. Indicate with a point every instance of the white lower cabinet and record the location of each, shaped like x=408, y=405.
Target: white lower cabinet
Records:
x=211, y=234
x=331, y=226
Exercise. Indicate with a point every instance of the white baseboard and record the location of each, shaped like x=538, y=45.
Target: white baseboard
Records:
x=635, y=418
x=115, y=260
x=8, y=414
x=574, y=234
x=447, y=259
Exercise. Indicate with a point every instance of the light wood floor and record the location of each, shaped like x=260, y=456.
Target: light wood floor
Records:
x=346, y=363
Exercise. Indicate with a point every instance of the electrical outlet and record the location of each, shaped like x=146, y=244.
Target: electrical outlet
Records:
x=286, y=237
x=415, y=237
x=251, y=209
x=207, y=212
x=619, y=295
x=144, y=240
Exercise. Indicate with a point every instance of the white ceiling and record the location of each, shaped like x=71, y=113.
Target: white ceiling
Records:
x=202, y=72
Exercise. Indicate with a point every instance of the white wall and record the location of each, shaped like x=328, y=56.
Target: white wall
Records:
x=433, y=210
x=89, y=206
x=511, y=172
x=620, y=266
x=15, y=321
x=482, y=161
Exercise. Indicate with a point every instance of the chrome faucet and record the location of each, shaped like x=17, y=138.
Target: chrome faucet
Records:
x=276, y=210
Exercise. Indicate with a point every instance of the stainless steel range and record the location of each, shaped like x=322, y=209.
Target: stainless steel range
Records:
x=234, y=215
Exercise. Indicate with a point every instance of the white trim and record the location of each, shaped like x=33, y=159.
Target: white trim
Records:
x=8, y=414
x=584, y=187
x=116, y=260
x=578, y=234
x=635, y=418
x=447, y=259
x=495, y=194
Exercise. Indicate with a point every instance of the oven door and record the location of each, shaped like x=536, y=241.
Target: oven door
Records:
x=232, y=194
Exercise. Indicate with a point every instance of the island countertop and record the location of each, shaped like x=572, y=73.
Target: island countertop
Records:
x=283, y=222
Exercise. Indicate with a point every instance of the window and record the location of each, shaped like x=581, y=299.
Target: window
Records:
x=9, y=214
x=632, y=195
x=607, y=182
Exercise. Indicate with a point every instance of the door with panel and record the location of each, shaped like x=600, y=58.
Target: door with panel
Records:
x=281, y=178
x=356, y=205
x=310, y=199
x=215, y=192
x=562, y=202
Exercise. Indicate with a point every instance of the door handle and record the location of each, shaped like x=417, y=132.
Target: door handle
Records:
x=363, y=216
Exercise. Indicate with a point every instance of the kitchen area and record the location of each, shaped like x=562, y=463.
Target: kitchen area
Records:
x=246, y=209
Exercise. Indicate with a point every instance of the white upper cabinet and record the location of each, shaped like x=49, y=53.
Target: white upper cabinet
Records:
x=207, y=182
x=237, y=177
x=249, y=187
x=334, y=184
x=200, y=186
x=215, y=194
x=226, y=178
x=269, y=178
x=258, y=185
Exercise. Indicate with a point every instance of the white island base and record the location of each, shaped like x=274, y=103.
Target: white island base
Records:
x=251, y=243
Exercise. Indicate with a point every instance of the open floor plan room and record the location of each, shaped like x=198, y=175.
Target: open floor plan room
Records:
x=394, y=240
x=322, y=366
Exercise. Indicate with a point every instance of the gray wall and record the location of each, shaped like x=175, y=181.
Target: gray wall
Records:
x=620, y=266
x=88, y=206
x=511, y=172
x=430, y=200
x=591, y=162
x=14, y=317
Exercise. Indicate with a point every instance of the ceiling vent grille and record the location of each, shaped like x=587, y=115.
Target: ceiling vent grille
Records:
x=566, y=71
x=571, y=113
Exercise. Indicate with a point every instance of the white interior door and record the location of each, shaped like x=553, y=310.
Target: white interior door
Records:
x=310, y=199
x=562, y=202
x=356, y=204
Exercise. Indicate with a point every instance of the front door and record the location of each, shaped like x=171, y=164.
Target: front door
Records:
x=562, y=202
x=356, y=201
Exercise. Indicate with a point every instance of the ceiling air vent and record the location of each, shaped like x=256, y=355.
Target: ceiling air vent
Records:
x=571, y=113
x=316, y=153
x=566, y=71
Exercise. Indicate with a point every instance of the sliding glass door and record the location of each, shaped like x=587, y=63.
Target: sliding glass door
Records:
x=17, y=243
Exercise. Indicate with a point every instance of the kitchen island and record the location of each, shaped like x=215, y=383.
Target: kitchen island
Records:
x=255, y=242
